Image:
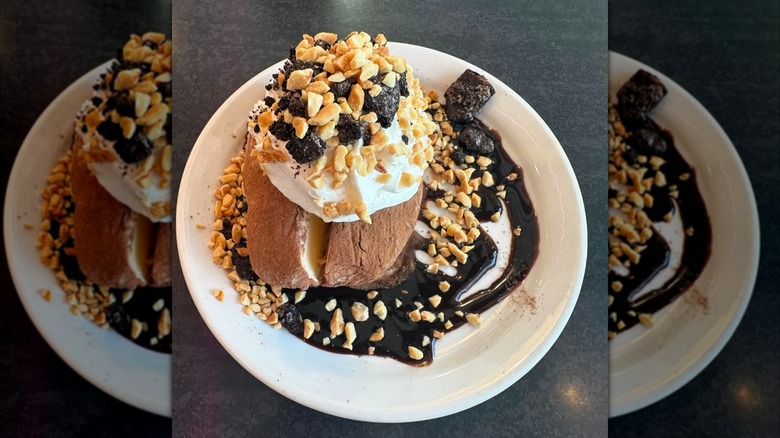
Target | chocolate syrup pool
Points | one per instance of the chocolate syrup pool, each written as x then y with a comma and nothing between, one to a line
400,332
655,258
120,315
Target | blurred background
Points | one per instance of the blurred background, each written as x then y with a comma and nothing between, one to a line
44,47
727,55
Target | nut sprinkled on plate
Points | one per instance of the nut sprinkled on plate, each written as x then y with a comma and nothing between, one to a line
136,328
380,310
336,324
308,328
474,319
349,329
359,311
415,353
646,319
377,335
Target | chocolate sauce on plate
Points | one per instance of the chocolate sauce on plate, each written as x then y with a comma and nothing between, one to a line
399,331
655,258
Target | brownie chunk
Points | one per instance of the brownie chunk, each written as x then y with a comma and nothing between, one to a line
648,138
366,137
466,96
341,89
109,130
297,107
638,96
384,104
306,149
281,130
284,102
350,130
135,149
123,105
473,138
402,85
290,318
118,318
244,267
458,155
296,64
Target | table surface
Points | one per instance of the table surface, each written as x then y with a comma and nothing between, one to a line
43,49
552,53
726,55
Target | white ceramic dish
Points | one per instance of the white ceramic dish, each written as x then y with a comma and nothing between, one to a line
131,373
647,365
470,366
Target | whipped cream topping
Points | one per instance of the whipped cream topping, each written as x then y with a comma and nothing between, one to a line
125,127
343,177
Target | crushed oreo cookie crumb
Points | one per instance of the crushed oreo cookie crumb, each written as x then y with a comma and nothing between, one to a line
306,149
297,107
281,130
135,149
384,104
350,130
341,89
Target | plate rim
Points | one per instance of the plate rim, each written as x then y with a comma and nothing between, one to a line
478,395
149,404
693,369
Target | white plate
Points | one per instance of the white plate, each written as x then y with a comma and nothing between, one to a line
133,374
470,366
647,365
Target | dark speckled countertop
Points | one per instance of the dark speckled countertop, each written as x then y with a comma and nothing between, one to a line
44,47
552,53
726,55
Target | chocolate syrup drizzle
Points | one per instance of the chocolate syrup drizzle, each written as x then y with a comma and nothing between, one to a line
655,258
399,331
119,315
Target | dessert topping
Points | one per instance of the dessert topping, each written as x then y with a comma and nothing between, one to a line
354,113
126,126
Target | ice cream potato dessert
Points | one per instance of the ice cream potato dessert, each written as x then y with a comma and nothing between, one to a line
106,228
353,214
336,153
